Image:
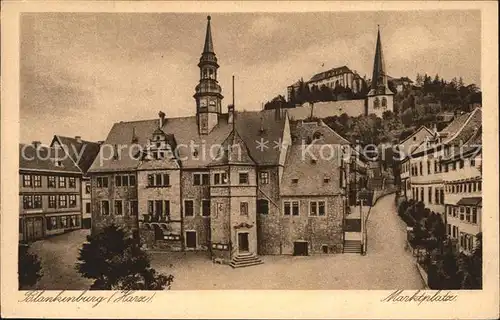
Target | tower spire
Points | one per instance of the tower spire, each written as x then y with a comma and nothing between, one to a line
379,77
209,46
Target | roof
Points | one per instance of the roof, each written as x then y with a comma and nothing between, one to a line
470,201
234,151
458,132
330,73
82,152
310,175
44,158
408,145
321,110
194,149
307,131
379,77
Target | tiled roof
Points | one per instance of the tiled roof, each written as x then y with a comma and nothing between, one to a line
234,151
185,132
84,151
44,159
309,174
304,131
330,73
470,201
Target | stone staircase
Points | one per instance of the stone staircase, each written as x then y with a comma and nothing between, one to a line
245,260
352,246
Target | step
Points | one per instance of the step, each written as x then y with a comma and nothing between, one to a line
245,264
245,258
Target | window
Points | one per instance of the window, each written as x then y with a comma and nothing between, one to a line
220,178
26,180
102,182
52,201
474,215
376,103
461,164
118,207
421,168
87,207
63,201
264,177
72,201
467,214
37,181
317,208
72,182
479,186
205,208
262,206
462,211
243,177
158,180
73,222
158,207
441,196
62,182
188,208
469,187
295,181
150,207
134,207
384,102
166,207
454,166
428,167
151,180
37,202
118,181
52,223
105,207
472,162
244,208
429,193
131,179
422,194
87,187
200,179
474,186
27,202
64,222
52,181
166,179
125,181
291,208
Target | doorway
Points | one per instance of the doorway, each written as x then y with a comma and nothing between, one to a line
191,239
243,242
300,248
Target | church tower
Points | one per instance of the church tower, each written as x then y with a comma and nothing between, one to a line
380,97
208,91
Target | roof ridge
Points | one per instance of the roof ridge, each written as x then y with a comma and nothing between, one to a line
469,117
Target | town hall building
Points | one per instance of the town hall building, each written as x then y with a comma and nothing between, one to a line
237,184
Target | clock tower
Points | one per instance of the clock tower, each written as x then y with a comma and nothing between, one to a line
208,91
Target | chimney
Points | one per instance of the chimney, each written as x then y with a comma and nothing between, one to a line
100,142
78,139
230,114
36,144
161,114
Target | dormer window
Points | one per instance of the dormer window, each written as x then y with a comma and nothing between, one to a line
313,161
326,180
295,181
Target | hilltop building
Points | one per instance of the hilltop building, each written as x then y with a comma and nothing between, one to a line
378,99
236,184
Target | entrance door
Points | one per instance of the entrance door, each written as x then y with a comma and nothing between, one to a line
191,239
38,228
30,232
243,242
300,248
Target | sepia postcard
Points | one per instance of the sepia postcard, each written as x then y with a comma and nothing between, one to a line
249,160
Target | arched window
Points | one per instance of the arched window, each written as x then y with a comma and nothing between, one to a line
384,102
317,135
376,103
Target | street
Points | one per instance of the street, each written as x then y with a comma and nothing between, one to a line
386,266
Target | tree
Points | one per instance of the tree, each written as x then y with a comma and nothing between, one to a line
419,80
473,265
387,115
116,262
29,267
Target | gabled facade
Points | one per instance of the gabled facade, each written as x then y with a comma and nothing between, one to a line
49,192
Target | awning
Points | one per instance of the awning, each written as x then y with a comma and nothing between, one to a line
470,201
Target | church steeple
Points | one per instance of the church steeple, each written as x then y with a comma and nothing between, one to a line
380,97
208,91
379,77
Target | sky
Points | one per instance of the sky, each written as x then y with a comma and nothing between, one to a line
82,72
